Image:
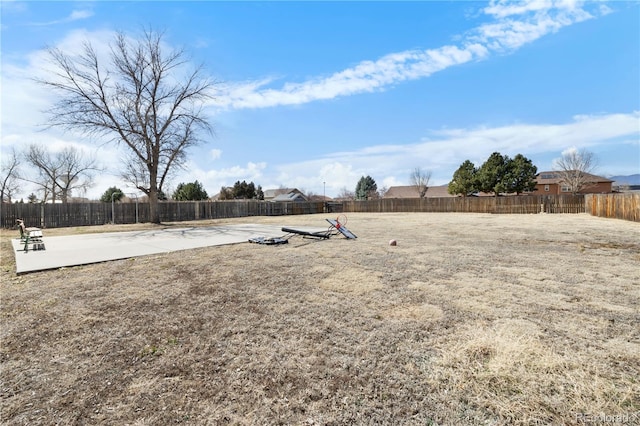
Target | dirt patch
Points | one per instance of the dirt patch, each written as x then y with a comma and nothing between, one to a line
470,319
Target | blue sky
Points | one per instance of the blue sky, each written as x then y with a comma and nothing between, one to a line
315,95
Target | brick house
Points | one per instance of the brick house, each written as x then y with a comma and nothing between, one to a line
550,183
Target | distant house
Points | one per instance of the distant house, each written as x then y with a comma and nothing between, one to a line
284,194
320,198
411,191
550,183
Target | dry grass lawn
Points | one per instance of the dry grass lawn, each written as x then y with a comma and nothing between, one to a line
471,319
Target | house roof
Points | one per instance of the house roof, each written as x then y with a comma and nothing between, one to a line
317,197
410,191
272,193
401,192
291,196
551,177
438,191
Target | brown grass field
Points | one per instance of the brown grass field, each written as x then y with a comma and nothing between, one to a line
470,319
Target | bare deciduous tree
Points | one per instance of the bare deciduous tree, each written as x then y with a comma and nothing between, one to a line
574,168
61,173
141,99
309,195
420,180
345,194
10,175
47,171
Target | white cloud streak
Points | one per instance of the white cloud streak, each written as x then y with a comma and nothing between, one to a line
75,15
515,24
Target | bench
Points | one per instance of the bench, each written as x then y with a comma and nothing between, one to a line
30,236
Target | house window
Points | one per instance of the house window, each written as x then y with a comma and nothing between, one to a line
548,176
546,188
565,188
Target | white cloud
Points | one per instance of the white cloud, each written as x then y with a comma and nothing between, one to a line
213,179
80,14
251,171
502,9
441,152
13,6
367,76
515,24
445,150
215,154
570,150
75,15
390,181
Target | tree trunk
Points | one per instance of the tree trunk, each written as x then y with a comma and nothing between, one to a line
154,213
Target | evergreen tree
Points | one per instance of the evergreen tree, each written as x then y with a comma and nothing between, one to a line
192,191
366,188
493,174
464,180
522,174
117,195
242,191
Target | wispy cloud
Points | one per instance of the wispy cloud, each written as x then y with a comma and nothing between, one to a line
514,24
76,15
13,6
215,153
250,171
368,76
441,151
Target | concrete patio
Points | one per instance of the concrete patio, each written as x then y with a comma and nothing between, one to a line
84,249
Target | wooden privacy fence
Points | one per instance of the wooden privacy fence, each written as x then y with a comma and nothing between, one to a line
85,214
527,204
619,206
